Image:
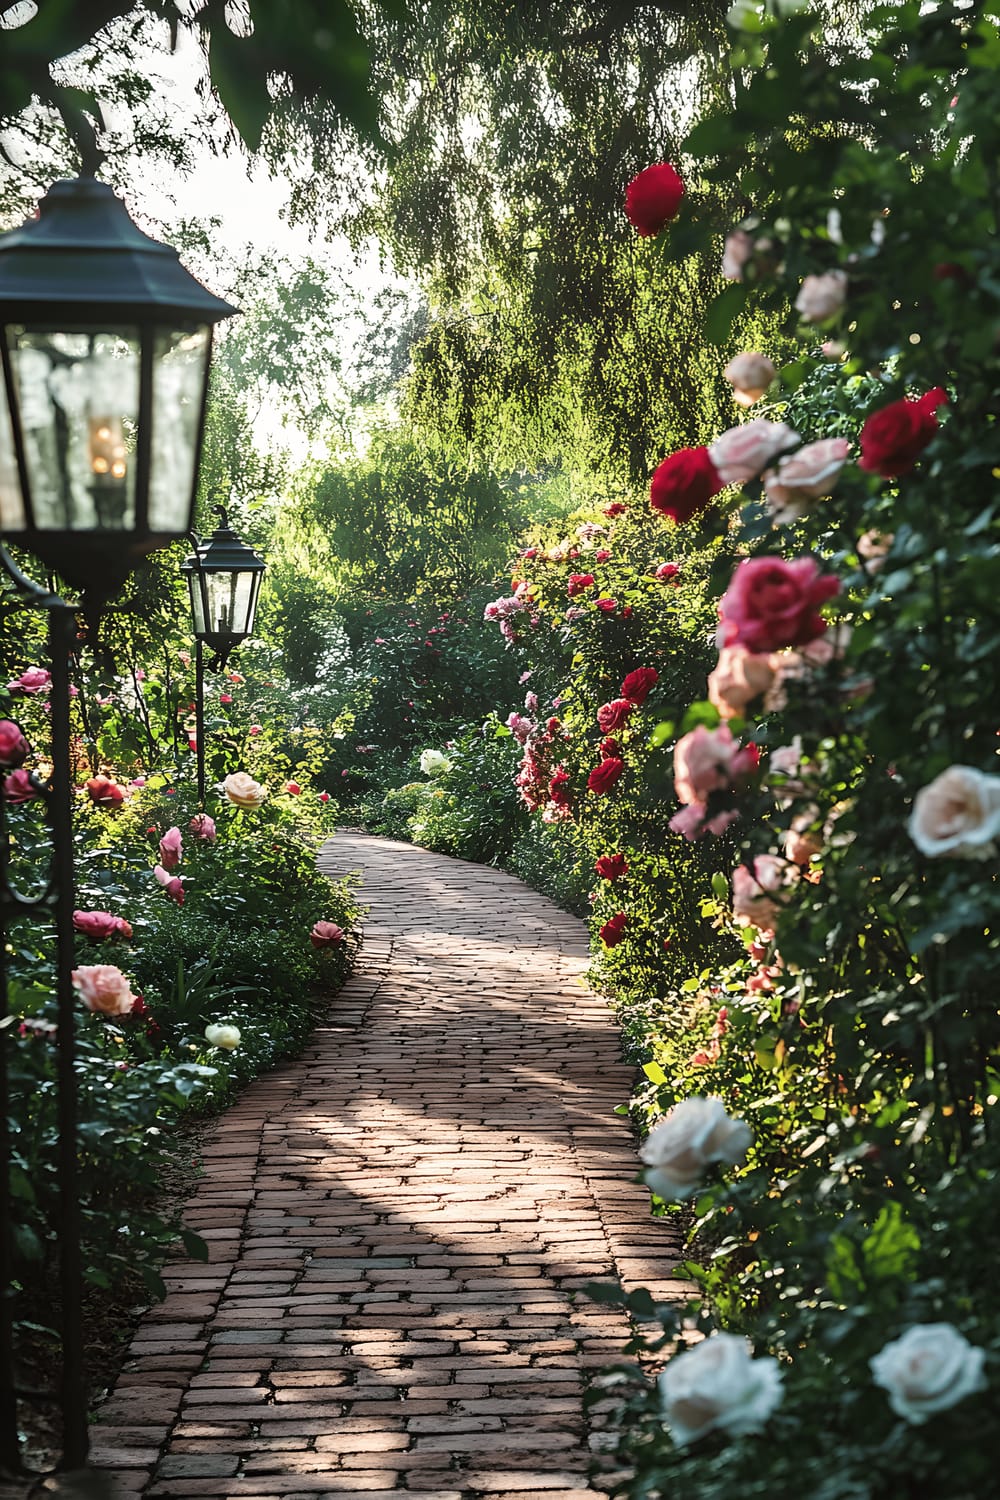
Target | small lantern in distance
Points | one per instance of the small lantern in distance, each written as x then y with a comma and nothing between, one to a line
224,577
105,342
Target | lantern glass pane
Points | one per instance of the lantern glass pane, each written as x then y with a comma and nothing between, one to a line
231,596
11,500
78,401
180,368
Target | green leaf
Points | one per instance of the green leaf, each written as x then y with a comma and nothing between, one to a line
661,733
194,1245
654,1072
720,886
723,311
240,85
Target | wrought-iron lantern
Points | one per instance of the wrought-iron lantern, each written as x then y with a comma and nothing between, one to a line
105,342
223,577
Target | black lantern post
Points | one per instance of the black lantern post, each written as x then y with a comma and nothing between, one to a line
104,350
224,577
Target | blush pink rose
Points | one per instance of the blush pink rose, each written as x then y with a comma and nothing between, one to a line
710,760
203,827
736,252
873,549
32,680
104,989
739,677
821,297
804,477
173,885
771,602
750,375
743,452
757,891
171,849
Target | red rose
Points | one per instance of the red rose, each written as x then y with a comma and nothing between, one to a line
293,788
13,746
611,716
684,484
106,793
893,438
607,606
653,198
610,749
616,508
614,930
666,571
579,583
772,603
603,777
639,684
559,792
611,866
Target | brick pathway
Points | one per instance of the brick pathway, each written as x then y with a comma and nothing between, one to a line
400,1222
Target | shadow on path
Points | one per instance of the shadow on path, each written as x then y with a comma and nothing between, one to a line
400,1222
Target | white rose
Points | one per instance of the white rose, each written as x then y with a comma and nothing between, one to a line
434,763
718,1385
242,790
227,1037
681,1145
737,251
957,813
928,1369
821,297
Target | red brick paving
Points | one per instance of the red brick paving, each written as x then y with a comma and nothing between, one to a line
400,1222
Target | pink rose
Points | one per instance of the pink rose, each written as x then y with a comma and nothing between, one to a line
821,297
104,989
326,935
13,745
173,886
293,789
203,827
740,454
601,555
710,760
19,787
737,251
750,375
32,680
804,477
739,678
579,583
171,849
666,572
225,698
771,603
255,730
101,925
104,792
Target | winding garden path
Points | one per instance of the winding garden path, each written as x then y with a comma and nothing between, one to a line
400,1222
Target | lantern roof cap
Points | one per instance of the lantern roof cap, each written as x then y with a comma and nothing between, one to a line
83,256
223,552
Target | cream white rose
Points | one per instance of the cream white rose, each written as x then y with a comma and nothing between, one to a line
804,477
434,763
873,548
821,297
958,813
681,1145
736,252
928,1369
243,791
749,375
104,989
718,1386
220,1035
743,452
